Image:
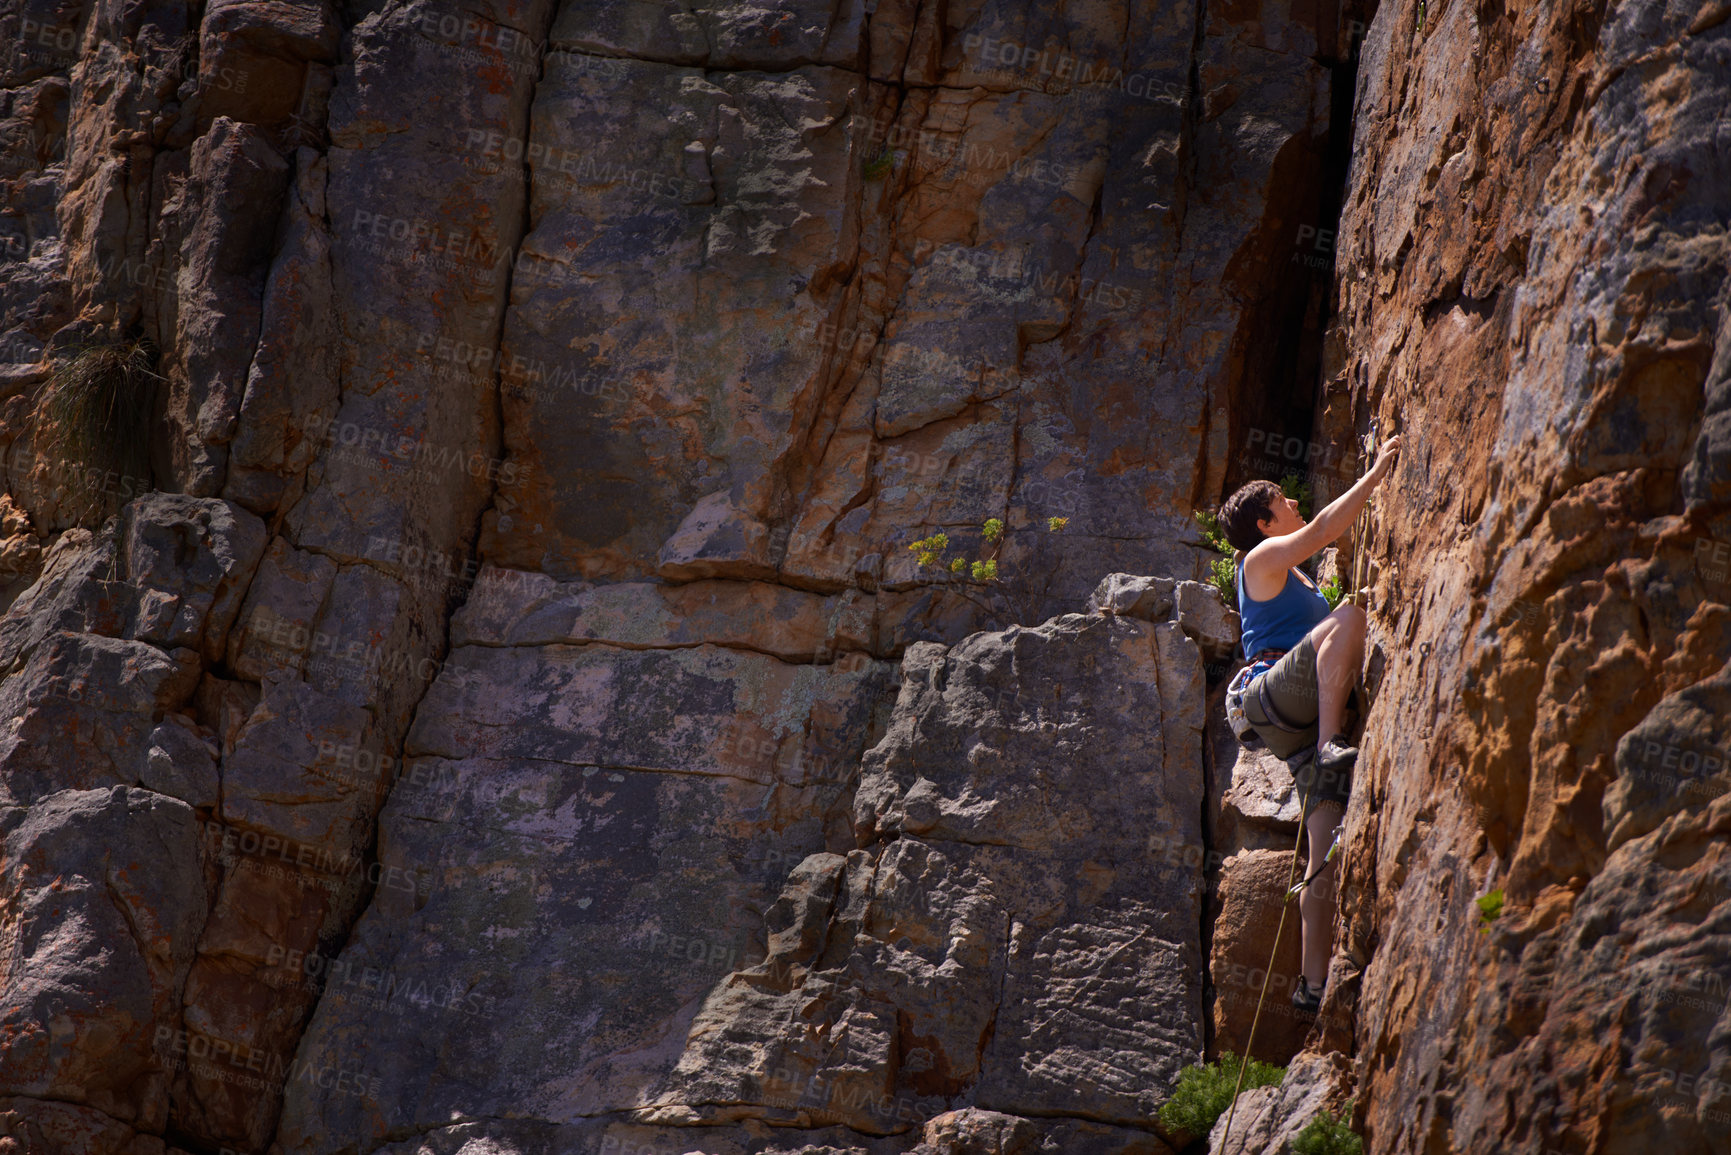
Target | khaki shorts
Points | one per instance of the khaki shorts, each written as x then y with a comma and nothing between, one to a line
1291,683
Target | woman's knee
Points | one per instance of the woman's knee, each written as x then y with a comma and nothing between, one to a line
1350,620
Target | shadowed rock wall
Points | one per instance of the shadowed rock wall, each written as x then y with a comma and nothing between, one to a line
464,714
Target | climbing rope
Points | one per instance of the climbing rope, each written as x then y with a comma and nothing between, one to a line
1268,971
1333,849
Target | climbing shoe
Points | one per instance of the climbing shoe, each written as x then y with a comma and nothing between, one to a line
1338,753
1307,998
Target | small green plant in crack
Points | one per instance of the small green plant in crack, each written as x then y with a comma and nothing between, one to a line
92,428
1204,1092
1223,576
1330,590
1211,535
1490,906
1222,572
879,165
981,575
1328,1134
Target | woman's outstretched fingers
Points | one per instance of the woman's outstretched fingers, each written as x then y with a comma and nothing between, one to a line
1385,457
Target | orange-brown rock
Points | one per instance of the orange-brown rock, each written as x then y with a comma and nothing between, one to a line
1247,912
1532,292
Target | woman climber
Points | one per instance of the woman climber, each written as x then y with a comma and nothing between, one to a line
1304,661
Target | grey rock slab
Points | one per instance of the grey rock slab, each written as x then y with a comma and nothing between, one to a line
1133,596
81,711
716,539
972,1131
291,388
1013,940
873,1004
705,710
1269,1118
421,250
55,1128
541,937
171,572
190,560
1085,728
78,591
515,608
1206,619
284,776
620,1137
376,644
209,320
281,608
1261,793
181,763
681,231
772,35
104,897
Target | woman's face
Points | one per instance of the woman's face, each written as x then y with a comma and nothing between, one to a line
1283,518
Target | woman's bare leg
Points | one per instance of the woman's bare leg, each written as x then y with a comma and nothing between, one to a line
1339,654
1316,901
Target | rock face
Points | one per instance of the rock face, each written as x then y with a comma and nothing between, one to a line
718,945
1533,293
502,711
541,401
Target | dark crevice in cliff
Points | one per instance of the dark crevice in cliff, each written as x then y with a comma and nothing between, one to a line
1274,398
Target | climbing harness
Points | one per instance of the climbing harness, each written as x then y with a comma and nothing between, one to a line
1242,727
1246,689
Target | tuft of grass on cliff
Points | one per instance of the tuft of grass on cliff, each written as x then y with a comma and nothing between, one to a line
1204,1092
92,422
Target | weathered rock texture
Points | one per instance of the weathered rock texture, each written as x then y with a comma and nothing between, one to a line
1533,292
505,714
647,341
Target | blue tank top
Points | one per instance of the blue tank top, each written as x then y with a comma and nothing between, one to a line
1282,621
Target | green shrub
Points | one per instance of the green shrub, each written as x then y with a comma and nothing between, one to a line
92,427
929,551
1295,487
1490,906
879,165
1331,591
1204,1092
1328,1135
1211,535
1223,576
1222,573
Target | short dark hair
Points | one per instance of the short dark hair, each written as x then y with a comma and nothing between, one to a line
1240,513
